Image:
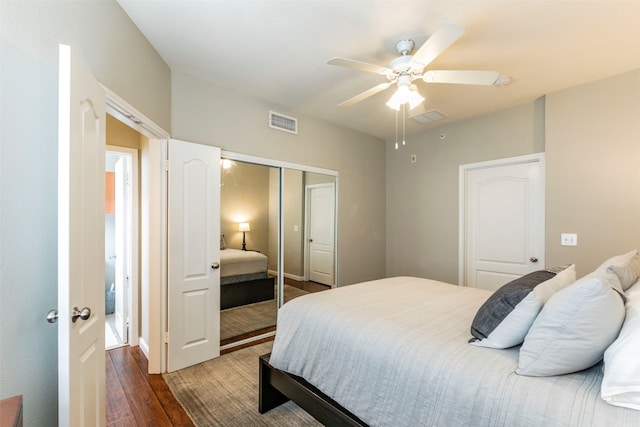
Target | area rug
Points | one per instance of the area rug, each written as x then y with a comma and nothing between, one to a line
252,317
224,392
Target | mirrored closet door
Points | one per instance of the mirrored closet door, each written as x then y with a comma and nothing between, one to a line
248,255
308,232
278,225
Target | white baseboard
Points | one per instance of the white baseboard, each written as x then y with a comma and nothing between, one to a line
289,275
144,347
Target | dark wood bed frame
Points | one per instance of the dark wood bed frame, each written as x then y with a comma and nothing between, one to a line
277,387
248,292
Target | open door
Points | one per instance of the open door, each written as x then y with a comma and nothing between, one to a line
123,263
81,307
193,254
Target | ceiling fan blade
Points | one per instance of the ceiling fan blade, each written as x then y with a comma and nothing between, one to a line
464,77
364,95
358,65
439,41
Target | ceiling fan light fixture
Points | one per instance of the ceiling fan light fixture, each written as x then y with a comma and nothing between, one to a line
415,98
399,97
406,94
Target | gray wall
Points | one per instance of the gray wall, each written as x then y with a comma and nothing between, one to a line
122,60
293,216
591,137
244,196
205,113
422,197
593,170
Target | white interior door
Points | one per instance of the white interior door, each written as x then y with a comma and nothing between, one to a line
122,246
81,146
321,224
194,254
504,221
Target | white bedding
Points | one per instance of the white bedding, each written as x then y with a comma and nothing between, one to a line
395,353
236,262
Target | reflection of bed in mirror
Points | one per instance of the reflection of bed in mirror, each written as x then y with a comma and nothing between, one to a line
244,278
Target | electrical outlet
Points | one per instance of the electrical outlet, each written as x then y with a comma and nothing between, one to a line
569,239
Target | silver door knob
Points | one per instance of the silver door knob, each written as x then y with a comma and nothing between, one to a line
52,316
83,314
215,265
533,259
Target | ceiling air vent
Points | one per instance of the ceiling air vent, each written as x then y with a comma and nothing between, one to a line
429,116
282,122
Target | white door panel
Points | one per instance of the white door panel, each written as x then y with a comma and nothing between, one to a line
122,248
81,146
321,202
504,222
194,230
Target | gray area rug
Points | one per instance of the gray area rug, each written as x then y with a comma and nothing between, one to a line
224,392
252,317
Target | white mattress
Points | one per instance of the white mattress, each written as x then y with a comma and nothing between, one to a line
235,262
395,353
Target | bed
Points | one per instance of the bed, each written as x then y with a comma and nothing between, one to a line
244,278
396,352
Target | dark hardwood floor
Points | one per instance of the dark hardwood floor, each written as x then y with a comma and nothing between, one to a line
307,286
135,398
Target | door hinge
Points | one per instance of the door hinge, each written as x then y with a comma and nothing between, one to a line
165,337
165,166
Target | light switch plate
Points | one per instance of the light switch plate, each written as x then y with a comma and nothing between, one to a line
569,239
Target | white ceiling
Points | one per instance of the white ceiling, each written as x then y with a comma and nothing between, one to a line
277,50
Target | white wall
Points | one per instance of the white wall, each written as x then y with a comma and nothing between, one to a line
205,113
122,59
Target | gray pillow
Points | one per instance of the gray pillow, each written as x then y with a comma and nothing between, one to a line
223,243
628,273
574,328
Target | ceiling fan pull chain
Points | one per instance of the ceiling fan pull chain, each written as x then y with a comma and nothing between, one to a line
396,129
404,108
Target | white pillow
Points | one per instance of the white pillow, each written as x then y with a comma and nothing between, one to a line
512,329
574,328
621,381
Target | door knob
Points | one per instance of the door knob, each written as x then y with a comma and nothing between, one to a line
215,265
52,316
84,314
533,259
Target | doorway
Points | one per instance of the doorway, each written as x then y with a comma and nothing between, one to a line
320,238
501,220
121,250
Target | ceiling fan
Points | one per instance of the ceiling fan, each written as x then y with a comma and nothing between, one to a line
406,68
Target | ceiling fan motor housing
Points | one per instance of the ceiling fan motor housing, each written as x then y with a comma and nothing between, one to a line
404,47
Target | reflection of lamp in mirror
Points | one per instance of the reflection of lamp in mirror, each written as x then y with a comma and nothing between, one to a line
244,227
